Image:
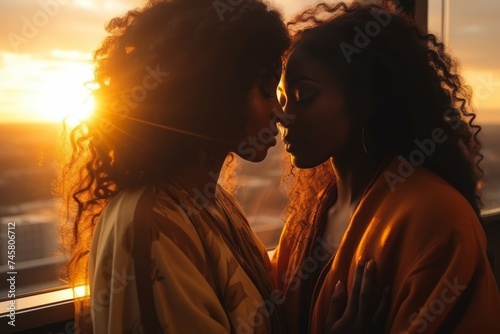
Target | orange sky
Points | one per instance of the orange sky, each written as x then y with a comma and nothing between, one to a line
46,48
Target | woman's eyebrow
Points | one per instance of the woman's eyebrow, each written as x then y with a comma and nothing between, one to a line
294,80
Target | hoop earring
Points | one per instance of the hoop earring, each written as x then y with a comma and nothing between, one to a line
363,140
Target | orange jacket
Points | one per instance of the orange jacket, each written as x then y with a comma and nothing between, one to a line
427,243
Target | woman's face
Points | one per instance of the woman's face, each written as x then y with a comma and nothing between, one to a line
316,120
260,122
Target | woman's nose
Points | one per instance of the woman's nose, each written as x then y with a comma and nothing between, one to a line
284,118
277,105
284,121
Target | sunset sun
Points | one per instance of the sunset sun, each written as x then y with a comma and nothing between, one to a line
63,95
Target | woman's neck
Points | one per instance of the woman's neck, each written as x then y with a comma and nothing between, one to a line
353,174
200,178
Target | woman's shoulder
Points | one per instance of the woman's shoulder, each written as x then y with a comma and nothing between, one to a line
426,212
421,189
421,200
117,216
125,199
158,204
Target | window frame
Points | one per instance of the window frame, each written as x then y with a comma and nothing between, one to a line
53,310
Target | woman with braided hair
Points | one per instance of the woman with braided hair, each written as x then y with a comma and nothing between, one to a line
381,129
181,84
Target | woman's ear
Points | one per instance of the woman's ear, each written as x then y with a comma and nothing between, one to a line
364,105
368,103
365,78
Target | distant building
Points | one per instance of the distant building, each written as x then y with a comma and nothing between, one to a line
36,237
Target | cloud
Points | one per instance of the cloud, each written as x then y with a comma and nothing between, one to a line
39,26
474,33
70,30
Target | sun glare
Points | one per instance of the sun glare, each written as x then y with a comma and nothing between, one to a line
81,291
61,94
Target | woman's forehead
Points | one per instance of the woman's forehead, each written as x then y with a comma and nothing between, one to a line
302,65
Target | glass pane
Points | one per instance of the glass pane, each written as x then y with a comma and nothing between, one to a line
474,31
45,59
435,17
28,211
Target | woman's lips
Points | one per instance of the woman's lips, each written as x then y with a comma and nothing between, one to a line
291,144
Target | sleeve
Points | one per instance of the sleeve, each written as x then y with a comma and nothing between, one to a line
436,276
184,299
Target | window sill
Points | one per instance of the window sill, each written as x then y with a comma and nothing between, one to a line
38,310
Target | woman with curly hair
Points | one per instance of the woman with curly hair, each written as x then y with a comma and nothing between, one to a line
388,157
180,85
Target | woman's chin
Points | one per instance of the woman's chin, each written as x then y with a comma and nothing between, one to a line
253,155
302,162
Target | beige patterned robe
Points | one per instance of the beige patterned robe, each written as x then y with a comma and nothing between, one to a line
202,283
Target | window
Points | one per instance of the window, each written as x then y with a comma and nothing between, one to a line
471,31
472,34
473,38
44,59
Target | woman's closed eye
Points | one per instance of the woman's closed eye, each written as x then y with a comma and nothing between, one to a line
267,92
305,92
281,98
268,87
